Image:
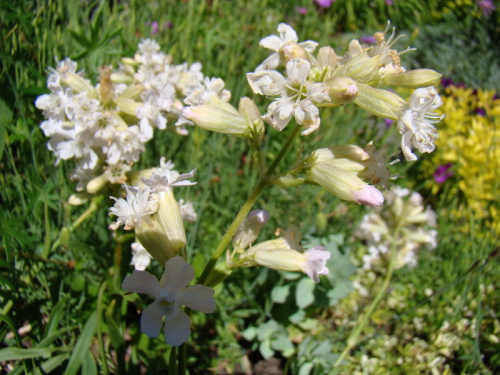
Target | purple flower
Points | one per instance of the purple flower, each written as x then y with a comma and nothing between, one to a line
154,28
324,3
389,2
481,112
487,6
367,39
301,10
442,173
388,122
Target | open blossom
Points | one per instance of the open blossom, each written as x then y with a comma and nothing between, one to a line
416,123
296,96
170,293
140,257
135,210
165,178
288,36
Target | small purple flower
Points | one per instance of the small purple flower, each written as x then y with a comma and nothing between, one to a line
481,112
367,39
388,122
442,173
447,82
168,25
301,10
154,28
389,2
487,6
324,3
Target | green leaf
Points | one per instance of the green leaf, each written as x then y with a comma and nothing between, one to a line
15,354
249,333
82,345
280,293
265,349
304,294
283,344
306,368
5,118
88,366
54,362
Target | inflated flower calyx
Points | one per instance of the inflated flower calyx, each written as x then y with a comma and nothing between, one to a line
413,79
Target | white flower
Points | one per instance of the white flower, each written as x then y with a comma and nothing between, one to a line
297,95
135,210
170,293
140,257
416,123
275,43
165,178
187,211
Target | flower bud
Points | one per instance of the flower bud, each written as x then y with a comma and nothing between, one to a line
154,239
326,172
79,84
248,109
218,116
361,68
96,184
292,50
274,254
327,58
341,90
248,232
379,102
170,218
413,78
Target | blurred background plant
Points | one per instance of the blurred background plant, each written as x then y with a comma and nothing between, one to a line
58,311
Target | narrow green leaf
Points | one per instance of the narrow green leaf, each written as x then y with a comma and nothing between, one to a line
15,354
82,345
54,362
5,118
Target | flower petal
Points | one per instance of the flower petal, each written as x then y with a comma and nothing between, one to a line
273,42
151,319
177,274
177,329
197,297
142,282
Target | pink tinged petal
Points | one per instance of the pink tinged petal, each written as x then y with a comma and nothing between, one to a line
142,282
197,297
177,328
315,264
287,33
368,195
271,42
177,274
152,319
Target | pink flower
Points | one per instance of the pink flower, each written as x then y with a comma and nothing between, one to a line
324,3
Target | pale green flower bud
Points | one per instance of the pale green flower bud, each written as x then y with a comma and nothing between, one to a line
327,172
379,102
327,58
413,79
154,239
78,199
132,92
248,109
218,116
122,78
277,255
128,106
79,84
170,217
292,50
361,68
341,90
96,184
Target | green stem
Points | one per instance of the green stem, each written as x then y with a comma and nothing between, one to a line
182,359
353,339
94,206
245,209
172,362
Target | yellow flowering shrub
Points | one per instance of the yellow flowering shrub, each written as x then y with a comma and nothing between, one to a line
469,148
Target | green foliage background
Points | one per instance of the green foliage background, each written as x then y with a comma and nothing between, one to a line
67,294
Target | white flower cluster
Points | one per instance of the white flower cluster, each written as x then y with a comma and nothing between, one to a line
151,210
362,76
104,127
403,209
